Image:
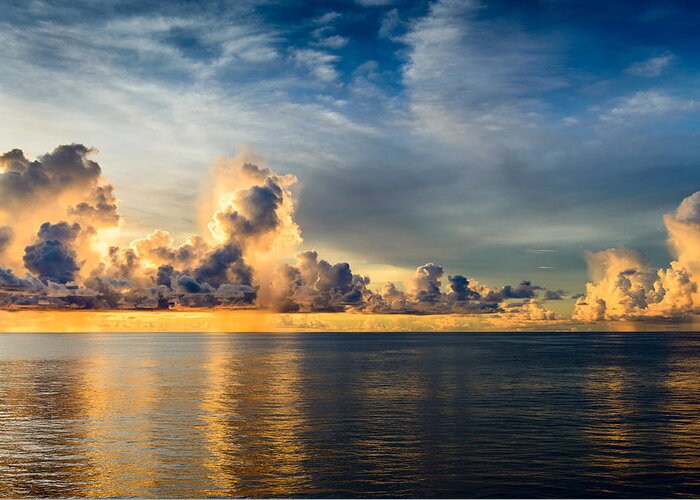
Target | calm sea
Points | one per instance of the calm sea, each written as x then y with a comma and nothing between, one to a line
342,414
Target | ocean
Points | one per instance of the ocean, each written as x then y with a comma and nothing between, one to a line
350,414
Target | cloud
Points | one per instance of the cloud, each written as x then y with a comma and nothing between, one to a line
424,286
525,290
648,104
328,17
651,67
10,282
100,209
51,260
62,231
529,310
66,168
320,64
224,265
332,42
554,295
64,185
391,22
464,296
313,284
158,249
625,286
469,81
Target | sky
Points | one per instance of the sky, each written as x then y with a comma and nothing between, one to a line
500,140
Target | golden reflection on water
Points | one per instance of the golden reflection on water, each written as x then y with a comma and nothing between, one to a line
683,430
612,432
106,390
266,449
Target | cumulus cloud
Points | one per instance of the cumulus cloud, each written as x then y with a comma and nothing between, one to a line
424,286
51,260
424,295
158,249
241,259
313,284
66,168
624,285
224,265
63,185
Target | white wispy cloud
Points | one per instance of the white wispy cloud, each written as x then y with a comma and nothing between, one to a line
648,103
332,42
467,79
651,67
320,64
328,17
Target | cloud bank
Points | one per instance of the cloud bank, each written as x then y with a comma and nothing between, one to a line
59,211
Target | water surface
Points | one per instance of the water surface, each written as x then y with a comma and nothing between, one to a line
342,414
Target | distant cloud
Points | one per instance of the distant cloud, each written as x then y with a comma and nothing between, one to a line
332,42
328,17
651,67
625,286
648,103
554,295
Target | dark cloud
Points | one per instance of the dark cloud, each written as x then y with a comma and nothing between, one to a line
51,260
100,208
164,275
255,172
554,295
525,290
61,231
317,285
188,284
258,212
224,265
459,286
8,281
66,167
